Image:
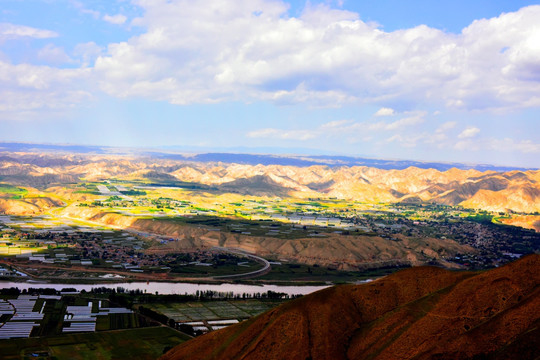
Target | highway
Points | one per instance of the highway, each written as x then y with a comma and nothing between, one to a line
250,274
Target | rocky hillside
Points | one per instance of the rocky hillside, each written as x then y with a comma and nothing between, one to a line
343,252
419,313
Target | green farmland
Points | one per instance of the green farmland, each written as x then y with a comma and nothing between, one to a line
142,343
13,191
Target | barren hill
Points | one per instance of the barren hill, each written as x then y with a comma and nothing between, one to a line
489,190
419,313
344,252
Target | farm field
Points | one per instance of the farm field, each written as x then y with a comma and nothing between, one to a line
141,343
214,310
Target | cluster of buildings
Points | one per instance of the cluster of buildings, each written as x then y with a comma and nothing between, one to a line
23,316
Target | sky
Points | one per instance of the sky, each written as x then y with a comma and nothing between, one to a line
451,81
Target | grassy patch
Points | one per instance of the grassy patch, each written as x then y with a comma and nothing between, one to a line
13,191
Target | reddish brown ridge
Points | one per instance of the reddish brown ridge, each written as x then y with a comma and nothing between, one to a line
419,313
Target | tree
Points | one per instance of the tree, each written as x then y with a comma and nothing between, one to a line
188,329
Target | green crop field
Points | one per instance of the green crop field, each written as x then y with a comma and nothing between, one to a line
142,343
14,191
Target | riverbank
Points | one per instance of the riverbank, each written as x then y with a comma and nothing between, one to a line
170,287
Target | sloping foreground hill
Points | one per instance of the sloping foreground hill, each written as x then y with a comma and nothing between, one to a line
419,313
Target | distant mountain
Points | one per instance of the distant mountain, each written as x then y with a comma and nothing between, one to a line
418,313
74,149
333,161
249,159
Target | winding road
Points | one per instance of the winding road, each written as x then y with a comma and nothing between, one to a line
250,274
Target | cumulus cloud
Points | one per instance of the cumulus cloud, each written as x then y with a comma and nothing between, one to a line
469,132
13,31
190,52
118,19
385,112
198,52
32,89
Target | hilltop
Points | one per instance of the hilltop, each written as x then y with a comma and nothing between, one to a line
418,313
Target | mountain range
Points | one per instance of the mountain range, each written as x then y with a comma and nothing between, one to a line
500,191
264,156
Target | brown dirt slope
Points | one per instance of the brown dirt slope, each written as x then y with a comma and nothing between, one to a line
419,313
346,252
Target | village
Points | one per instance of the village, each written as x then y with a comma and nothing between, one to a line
59,244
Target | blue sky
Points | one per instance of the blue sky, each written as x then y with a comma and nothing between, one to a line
423,80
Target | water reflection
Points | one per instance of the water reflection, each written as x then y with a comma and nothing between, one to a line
171,288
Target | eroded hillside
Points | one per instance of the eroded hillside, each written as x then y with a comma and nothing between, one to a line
517,191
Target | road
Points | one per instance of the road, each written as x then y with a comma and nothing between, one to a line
250,274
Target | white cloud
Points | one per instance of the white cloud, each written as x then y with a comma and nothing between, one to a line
87,52
12,31
336,124
385,112
84,10
440,136
29,89
406,122
446,126
341,128
243,50
251,50
469,132
511,145
117,19
282,134
53,54
404,141
506,145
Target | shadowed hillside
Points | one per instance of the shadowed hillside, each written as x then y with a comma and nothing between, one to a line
419,313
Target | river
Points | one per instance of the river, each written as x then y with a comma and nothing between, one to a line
172,288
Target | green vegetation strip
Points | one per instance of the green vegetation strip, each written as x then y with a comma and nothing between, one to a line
16,192
142,343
